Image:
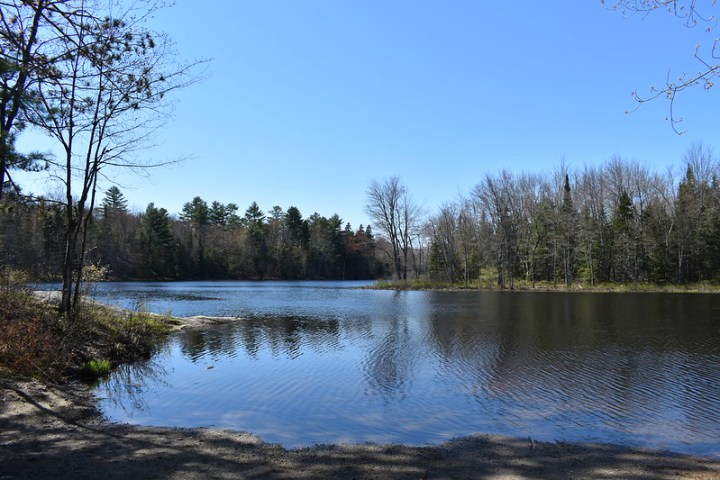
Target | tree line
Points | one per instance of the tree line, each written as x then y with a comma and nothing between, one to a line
206,241
615,223
619,222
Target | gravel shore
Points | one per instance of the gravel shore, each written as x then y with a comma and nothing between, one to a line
50,431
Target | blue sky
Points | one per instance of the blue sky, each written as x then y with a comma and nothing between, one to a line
308,101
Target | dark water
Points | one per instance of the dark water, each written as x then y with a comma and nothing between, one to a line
314,362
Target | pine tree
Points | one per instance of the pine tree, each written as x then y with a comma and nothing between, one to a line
114,201
157,244
568,228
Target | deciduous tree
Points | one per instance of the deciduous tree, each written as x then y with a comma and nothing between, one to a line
394,212
107,93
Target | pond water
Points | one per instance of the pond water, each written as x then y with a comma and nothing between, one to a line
324,362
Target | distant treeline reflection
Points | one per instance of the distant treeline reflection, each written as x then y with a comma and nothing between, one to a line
638,368
506,343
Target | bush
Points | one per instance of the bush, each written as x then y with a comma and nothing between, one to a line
36,341
31,344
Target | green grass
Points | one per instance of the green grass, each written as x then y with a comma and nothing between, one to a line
98,368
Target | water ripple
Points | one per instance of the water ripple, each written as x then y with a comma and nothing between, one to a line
316,364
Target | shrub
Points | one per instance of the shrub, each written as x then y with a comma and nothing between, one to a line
36,341
31,344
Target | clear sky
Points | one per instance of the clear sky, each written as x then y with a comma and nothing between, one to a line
308,101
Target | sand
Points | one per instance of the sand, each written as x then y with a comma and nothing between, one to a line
52,431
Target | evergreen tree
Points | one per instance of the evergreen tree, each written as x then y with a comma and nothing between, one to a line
624,244
196,212
218,214
688,219
256,244
157,244
296,226
568,231
114,201
115,234
254,216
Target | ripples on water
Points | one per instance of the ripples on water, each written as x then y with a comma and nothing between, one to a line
315,362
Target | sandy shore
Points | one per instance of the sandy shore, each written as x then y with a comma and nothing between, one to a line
56,432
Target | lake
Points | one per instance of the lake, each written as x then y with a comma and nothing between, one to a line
327,362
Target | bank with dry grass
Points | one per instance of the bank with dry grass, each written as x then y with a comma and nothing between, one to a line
523,286
37,341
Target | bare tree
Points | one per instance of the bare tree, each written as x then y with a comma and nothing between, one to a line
467,237
108,95
703,161
591,189
528,190
396,215
494,195
443,228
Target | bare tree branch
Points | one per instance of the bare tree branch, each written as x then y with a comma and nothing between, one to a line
694,14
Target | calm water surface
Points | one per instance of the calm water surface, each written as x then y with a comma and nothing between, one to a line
322,362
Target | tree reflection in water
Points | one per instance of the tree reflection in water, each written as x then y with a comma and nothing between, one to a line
419,367
127,387
283,336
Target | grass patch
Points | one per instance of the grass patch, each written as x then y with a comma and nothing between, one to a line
97,368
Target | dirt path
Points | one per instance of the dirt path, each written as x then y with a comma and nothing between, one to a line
56,432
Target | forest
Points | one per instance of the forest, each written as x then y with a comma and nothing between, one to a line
206,241
618,222
615,223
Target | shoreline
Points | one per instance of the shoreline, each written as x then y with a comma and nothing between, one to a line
542,288
51,431
175,323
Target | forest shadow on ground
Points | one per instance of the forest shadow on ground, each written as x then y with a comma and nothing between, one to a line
51,439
